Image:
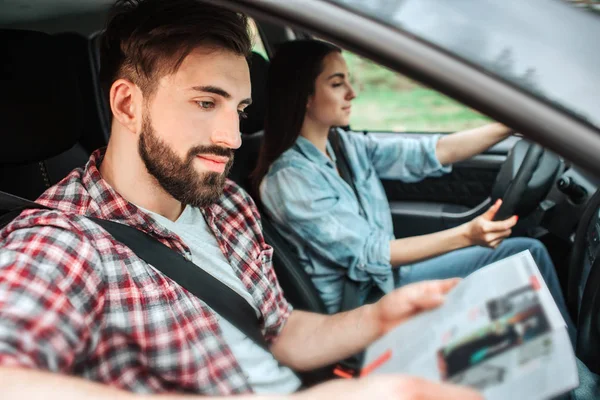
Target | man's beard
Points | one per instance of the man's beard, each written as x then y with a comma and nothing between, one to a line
178,177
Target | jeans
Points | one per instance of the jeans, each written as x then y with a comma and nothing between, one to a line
463,262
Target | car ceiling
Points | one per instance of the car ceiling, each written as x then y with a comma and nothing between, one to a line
28,11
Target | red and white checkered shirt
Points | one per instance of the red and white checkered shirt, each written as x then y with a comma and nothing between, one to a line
75,301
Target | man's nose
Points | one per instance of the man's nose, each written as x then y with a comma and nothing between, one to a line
227,131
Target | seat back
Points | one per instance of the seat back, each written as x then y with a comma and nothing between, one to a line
255,121
584,285
245,160
40,107
102,104
252,126
296,283
95,132
583,254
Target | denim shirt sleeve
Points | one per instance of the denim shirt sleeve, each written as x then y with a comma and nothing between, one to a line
304,202
403,158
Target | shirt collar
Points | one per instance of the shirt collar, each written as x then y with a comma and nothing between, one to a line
107,203
310,151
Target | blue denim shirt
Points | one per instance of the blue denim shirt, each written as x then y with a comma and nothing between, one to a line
319,214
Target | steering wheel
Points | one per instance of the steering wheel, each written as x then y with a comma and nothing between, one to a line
524,179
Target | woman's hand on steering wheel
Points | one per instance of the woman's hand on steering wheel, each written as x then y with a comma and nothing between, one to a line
484,231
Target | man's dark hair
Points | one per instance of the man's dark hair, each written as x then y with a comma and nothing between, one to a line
145,40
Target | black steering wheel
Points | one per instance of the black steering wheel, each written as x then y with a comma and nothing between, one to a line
524,179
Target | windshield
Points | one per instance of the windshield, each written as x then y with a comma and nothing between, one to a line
546,47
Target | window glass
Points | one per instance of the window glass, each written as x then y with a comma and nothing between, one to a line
388,101
257,43
546,48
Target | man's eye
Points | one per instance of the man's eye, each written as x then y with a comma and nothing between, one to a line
337,84
207,105
242,114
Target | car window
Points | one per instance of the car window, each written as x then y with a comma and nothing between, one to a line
257,43
545,47
390,102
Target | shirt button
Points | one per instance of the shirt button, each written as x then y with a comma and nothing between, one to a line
361,267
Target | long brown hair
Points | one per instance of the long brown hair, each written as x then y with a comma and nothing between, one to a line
290,83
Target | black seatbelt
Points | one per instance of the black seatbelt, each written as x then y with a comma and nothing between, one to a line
342,164
351,294
218,296
350,297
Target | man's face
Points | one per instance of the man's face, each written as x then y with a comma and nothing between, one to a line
191,125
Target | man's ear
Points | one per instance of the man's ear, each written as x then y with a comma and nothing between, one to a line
126,104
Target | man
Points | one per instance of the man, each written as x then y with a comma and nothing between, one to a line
81,316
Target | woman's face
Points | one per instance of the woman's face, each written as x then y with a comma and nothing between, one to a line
330,105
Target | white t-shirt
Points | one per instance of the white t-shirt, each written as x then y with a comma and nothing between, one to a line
264,373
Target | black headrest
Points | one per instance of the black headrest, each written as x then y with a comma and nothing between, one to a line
95,132
40,104
259,68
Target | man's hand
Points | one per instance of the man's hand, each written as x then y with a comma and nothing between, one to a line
484,231
396,307
386,387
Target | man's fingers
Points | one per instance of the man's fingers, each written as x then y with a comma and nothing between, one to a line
445,285
432,287
430,294
418,388
395,307
446,391
415,297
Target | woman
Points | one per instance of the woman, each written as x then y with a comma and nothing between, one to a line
340,232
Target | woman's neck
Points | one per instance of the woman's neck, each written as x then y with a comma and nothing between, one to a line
316,133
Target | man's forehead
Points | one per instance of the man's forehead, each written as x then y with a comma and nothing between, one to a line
207,66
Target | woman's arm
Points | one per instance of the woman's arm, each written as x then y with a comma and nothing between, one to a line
482,231
463,145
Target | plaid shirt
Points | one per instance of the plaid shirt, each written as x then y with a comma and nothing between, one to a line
75,301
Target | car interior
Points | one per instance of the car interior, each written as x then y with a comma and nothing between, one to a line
55,116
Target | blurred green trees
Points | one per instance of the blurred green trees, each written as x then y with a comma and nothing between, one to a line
387,101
